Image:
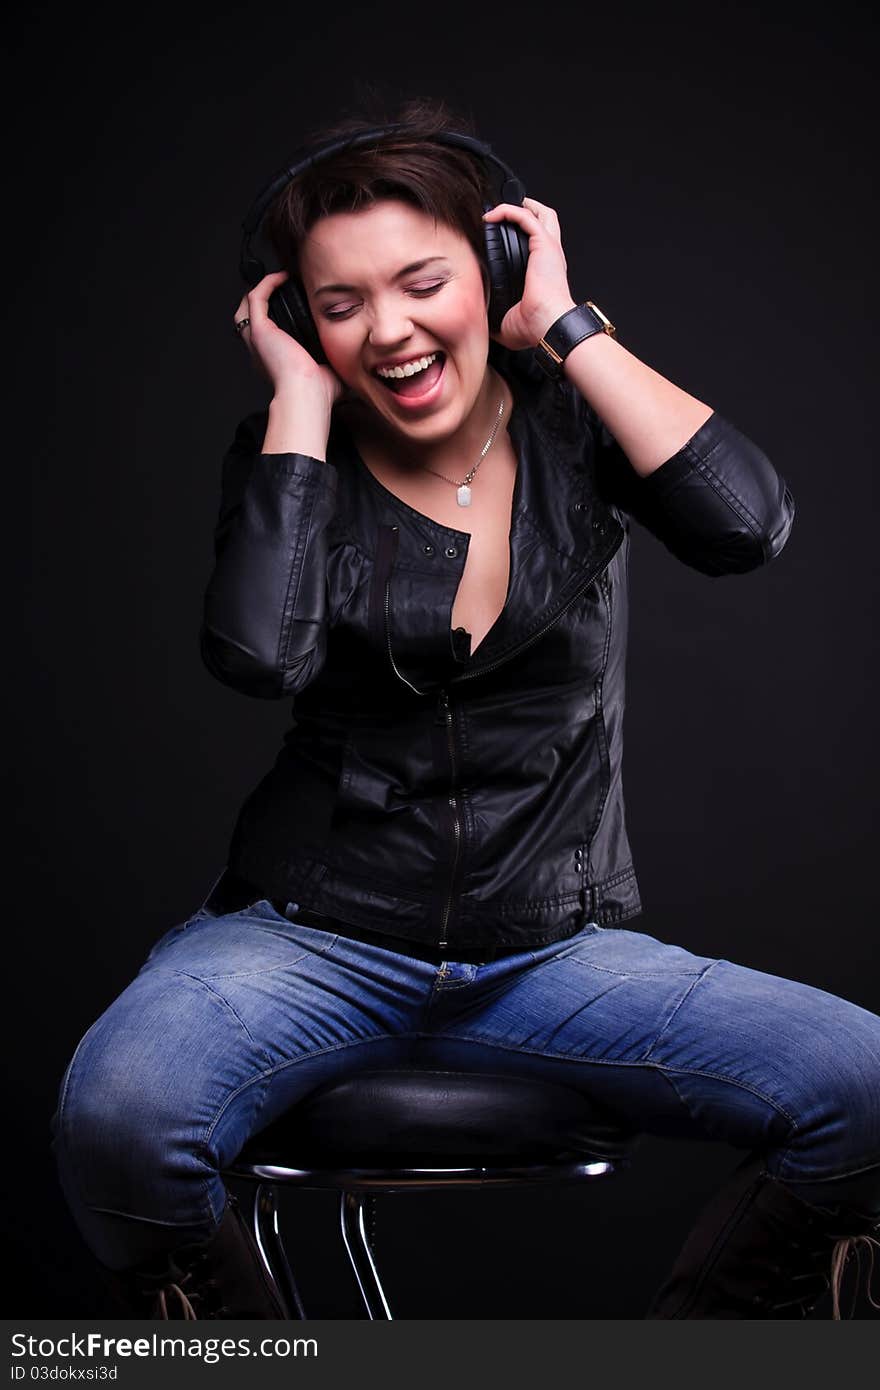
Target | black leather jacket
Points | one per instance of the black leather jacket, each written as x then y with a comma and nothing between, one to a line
421,792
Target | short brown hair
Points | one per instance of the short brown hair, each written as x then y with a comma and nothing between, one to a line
448,183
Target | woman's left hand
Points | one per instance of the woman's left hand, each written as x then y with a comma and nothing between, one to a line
546,294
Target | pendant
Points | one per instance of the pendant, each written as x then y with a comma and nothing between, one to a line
464,495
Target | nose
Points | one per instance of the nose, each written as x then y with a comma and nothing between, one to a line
390,325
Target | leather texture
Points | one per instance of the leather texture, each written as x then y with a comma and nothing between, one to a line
380,1118
759,1251
221,1277
564,335
421,790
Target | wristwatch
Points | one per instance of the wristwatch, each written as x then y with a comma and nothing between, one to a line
570,329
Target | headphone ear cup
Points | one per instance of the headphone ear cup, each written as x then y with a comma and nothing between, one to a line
289,309
507,254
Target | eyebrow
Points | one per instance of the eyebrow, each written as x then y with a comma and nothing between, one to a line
407,270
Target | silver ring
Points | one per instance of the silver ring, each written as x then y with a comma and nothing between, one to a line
241,325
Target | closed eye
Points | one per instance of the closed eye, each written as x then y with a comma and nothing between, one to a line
421,292
428,289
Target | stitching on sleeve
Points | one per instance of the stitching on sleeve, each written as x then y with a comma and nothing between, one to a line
293,587
735,503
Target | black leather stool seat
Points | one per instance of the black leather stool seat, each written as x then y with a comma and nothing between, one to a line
393,1129
391,1118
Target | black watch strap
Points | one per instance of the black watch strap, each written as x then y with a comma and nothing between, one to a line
570,329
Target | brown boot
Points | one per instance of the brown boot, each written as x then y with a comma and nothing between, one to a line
220,1277
759,1251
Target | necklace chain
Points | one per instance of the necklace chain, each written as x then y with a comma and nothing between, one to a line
468,477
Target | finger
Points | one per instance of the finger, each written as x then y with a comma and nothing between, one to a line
262,291
541,209
530,205
511,212
257,303
522,217
547,223
241,322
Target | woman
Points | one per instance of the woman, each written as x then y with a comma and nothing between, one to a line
424,540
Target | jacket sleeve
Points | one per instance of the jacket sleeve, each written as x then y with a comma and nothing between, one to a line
264,619
718,504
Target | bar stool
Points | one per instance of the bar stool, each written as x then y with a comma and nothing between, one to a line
410,1129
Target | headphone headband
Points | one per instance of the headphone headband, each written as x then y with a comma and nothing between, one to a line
506,244
512,188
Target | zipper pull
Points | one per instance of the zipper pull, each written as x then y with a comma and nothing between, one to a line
442,708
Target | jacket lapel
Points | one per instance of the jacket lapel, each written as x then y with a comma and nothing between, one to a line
562,534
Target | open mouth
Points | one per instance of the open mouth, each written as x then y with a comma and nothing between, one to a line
418,381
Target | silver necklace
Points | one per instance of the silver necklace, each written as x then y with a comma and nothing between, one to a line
464,492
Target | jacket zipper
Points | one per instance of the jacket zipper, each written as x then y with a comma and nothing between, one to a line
444,716
445,713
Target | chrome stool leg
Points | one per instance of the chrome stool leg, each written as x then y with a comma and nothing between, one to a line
354,1210
271,1247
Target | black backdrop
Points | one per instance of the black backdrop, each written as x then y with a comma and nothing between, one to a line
710,166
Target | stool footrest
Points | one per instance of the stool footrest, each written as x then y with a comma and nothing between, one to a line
402,1179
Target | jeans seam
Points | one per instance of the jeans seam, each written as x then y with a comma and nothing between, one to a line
662,1068
634,975
829,1177
669,1074
691,987
144,1220
292,1062
225,1002
266,1077
243,974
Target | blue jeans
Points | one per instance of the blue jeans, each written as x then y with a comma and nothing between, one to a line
233,1017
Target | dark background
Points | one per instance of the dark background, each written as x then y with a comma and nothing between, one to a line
710,166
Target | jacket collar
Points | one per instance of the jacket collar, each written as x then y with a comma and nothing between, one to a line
562,533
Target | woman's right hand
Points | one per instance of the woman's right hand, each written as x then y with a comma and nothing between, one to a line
282,360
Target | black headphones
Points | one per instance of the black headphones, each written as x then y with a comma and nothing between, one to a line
507,245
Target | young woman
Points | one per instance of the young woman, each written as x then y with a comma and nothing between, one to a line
423,539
